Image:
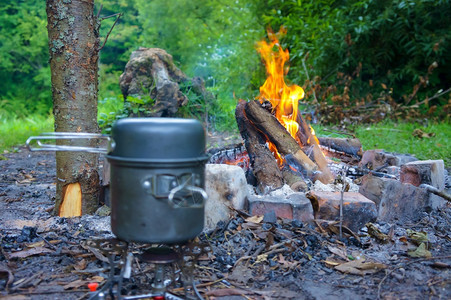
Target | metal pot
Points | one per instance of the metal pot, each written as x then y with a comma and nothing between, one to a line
157,177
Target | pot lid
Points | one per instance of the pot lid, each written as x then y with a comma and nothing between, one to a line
158,138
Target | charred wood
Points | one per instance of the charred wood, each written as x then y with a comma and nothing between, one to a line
286,144
338,147
294,179
312,149
264,166
277,134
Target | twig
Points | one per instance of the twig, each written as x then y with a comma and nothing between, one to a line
198,285
26,281
110,16
111,29
406,264
47,242
344,184
100,9
433,97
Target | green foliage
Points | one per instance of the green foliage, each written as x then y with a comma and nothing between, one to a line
24,70
15,131
115,108
391,42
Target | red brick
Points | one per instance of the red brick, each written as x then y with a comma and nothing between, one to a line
357,209
295,206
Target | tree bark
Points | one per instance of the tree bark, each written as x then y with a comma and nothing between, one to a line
74,52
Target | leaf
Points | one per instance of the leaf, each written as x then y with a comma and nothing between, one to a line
417,237
421,134
375,232
255,219
339,252
36,244
360,267
29,252
421,251
75,284
261,258
81,265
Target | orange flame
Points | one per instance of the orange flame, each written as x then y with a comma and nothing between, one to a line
284,98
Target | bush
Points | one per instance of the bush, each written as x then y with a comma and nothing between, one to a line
397,45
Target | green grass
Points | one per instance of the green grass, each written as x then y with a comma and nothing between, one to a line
399,138
15,131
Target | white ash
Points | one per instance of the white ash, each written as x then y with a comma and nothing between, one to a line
96,223
283,191
334,187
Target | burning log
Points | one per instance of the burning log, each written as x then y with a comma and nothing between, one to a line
263,164
312,149
286,144
278,135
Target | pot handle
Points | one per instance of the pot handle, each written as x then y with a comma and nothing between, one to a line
42,146
183,203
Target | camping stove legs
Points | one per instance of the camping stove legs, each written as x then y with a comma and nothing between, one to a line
120,262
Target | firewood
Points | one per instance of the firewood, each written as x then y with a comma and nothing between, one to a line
71,203
294,180
308,139
351,147
278,135
263,163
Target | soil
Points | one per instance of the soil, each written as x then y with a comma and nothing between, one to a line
46,257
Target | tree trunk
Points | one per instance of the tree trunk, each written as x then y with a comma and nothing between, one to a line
74,52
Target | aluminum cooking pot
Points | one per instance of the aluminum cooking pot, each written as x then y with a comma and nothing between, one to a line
157,176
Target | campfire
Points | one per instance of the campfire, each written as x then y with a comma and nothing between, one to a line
272,127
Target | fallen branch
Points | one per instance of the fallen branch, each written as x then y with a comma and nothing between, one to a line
435,191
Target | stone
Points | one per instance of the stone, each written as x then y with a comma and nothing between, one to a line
357,209
374,159
226,187
431,172
397,201
295,206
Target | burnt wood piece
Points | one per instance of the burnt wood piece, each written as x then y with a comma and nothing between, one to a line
350,147
278,135
312,149
264,165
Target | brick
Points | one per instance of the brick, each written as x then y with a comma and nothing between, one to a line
397,201
357,209
431,172
294,206
226,187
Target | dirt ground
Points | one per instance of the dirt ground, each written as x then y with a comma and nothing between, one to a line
45,257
